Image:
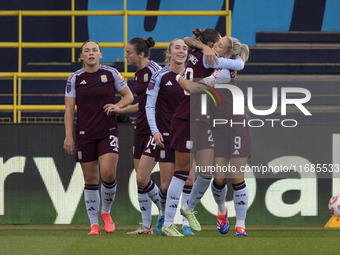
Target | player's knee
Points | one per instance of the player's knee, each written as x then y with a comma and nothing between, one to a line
108,177
142,181
220,181
91,180
237,180
182,167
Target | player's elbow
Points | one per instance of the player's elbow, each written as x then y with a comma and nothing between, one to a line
130,98
241,66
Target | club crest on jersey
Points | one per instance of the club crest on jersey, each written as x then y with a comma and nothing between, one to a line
189,145
80,155
162,154
146,77
215,73
103,78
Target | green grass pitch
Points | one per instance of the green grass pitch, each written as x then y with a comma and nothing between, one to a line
73,239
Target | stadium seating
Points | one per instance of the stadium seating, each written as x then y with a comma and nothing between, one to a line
274,61
295,53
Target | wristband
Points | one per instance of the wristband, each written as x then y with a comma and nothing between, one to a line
178,76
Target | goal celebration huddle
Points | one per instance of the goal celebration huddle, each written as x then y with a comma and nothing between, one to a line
170,129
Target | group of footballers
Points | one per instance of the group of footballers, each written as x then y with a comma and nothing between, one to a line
169,129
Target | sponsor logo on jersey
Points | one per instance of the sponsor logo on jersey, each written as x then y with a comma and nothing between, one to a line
80,155
120,77
83,82
168,83
236,152
189,145
193,59
103,78
146,77
68,87
151,85
162,154
215,73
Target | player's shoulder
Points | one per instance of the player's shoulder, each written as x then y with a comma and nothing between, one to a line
195,52
109,69
163,71
153,66
115,73
76,73
157,77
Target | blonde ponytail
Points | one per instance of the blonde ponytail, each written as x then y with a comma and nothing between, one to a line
244,54
237,49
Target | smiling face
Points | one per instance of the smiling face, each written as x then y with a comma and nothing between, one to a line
177,52
90,54
222,47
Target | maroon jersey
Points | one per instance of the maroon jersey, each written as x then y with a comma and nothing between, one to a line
195,65
142,79
224,111
194,69
165,94
92,91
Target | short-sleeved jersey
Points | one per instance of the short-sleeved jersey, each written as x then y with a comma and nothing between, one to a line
92,91
194,69
142,79
164,86
196,64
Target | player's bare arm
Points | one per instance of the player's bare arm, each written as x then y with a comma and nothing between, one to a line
129,109
127,97
69,117
115,109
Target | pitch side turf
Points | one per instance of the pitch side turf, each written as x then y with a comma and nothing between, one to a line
70,239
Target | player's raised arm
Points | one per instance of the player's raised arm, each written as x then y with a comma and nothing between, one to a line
209,53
